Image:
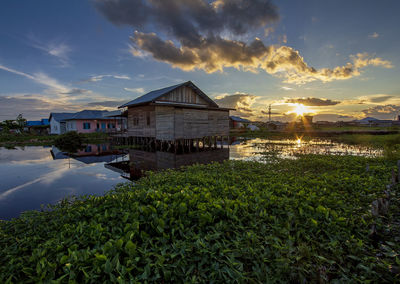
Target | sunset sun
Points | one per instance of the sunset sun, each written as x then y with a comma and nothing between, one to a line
300,109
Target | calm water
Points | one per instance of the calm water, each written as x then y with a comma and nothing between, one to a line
31,176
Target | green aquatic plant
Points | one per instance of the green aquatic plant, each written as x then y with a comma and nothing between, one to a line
298,221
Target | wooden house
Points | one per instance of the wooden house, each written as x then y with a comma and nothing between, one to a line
178,114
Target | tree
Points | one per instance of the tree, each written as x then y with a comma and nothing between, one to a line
21,121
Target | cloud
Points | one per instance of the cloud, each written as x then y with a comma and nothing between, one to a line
382,111
312,101
187,20
201,35
242,103
54,87
56,97
59,50
40,78
107,104
31,106
287,88
97,78
375,99
373,35
332,117
76,91
135,90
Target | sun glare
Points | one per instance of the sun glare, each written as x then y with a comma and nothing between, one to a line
300,109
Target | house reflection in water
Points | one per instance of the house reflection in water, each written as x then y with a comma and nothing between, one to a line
91,153
141,161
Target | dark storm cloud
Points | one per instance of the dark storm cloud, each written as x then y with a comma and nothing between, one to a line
188,20
312,101
203,33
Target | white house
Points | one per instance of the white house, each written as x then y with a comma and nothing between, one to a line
58,122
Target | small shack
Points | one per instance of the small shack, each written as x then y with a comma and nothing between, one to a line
181,116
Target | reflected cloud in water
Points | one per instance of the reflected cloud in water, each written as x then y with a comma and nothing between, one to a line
31,176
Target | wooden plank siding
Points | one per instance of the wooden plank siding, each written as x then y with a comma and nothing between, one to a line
183,95
141,114
165,123
169,123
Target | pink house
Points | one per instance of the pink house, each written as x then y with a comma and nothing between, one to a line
88,121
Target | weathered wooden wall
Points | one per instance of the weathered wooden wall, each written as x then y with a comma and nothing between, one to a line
183,95
142,129
165,123
184,123
170,123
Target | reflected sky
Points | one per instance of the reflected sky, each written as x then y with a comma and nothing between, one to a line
31,176
257,149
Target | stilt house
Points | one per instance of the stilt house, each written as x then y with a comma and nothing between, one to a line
177,113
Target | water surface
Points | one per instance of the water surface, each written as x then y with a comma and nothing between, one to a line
32,176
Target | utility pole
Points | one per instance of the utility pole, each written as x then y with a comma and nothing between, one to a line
270,112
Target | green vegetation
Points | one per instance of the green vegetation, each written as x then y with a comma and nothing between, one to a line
25,139
13,124
69,142
72,141
298,221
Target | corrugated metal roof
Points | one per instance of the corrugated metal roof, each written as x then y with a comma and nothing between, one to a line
153,95
33,123
239,119
89,114
45,121
61,116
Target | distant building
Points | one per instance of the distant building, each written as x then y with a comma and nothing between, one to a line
87,121
307,119
275,125
38,126
236,122
371,121
58,124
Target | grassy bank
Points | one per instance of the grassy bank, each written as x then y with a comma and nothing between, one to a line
25,139
306,220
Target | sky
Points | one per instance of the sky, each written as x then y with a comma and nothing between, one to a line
338,60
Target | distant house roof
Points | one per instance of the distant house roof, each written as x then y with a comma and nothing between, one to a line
367,120
239,119
154,95
60,116
45,121
33,123
42,122
89,114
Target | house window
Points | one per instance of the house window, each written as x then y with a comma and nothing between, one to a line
86,125
88,149
135,121
111,125
148,118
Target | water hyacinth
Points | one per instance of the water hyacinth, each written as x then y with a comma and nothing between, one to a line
296,220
